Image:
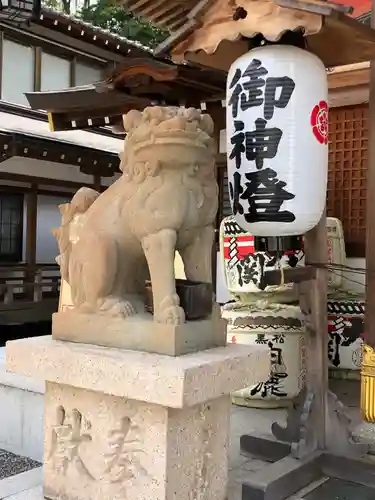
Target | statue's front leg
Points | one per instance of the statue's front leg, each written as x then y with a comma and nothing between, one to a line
159,249
197,257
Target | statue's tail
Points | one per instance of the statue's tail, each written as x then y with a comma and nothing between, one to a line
80,203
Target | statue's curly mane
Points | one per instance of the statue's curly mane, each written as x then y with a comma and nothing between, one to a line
144,129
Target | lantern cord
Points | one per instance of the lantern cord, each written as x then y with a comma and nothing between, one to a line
334,268
349,279
339,267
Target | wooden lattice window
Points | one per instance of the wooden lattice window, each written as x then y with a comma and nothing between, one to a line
347,174
11,227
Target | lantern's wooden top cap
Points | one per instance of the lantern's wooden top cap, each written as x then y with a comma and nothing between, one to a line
215,32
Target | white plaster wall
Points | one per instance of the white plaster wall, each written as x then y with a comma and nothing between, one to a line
21,415
21,422
48,217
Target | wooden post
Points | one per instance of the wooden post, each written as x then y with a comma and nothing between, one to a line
31,228
314,305
217,113
368,364
97,183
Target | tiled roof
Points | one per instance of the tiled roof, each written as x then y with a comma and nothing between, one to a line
38,128
48,13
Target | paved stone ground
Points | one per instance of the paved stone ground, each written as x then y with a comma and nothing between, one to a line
249,421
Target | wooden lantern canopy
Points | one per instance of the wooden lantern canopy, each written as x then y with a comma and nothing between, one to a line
216,32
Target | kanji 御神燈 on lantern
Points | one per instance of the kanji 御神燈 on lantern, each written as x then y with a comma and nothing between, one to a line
277,140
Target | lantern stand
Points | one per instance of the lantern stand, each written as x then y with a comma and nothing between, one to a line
316,441
317,419
317,434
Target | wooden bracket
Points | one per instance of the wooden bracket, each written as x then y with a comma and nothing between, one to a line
294,275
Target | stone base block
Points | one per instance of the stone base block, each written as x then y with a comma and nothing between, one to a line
175,382
137,426
139,333
101,447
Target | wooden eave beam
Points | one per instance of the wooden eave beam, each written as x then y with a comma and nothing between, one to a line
140,68
342,41
349,79
140,4
63,122
185,28
348,96
75,98
170,16
90,161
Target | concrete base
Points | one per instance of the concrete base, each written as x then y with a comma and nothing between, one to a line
20,484
284,479
139,333
31,494
264,448
21,414
125,424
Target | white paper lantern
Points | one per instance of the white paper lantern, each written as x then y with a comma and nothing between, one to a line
277,140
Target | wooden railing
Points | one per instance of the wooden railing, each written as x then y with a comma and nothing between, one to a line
20,283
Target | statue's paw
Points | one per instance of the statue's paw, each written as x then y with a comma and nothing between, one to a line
117,307
123,309
172,315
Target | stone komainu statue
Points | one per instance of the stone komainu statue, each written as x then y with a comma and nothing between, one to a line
165,200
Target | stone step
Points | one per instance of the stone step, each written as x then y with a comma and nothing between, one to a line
32,494
18,483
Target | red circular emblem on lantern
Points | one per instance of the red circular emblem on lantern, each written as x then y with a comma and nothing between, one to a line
319,122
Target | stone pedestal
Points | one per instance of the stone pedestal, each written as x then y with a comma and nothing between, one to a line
125,424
